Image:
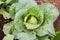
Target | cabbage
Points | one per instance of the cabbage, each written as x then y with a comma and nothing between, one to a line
31,21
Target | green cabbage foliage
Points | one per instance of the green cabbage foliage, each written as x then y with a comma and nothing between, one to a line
8,37
57,37
3,11
25,4
50,9
44,38
31,21
26,36
12,11
8,27
1,2
5,14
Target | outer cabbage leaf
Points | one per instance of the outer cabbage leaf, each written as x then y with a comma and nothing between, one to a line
8,1
51,11
12,11
57,37
4,13
7,28
26,36
44,38
18,21
50,15
14,31
1,2
46,29
8,37
11,1
25,4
